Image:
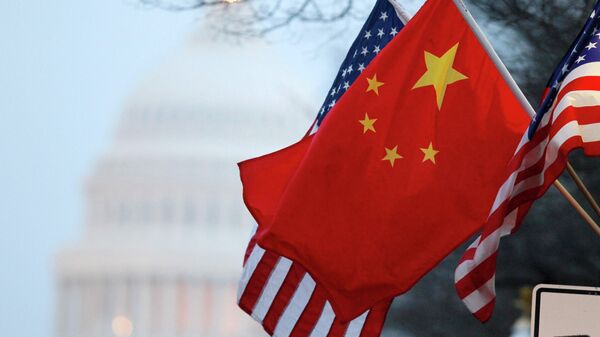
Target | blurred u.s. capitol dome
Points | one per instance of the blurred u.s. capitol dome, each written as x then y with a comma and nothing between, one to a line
165,226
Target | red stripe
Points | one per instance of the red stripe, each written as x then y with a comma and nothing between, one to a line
552,173
582,83
249,249
375,319
517,160
477,277
534,169
582,115
338,329
495,221
592,149
311,314
541,136
257,281
485,313
521,213
469,254
283,297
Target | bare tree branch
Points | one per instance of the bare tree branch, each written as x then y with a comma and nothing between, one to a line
260,17
545,29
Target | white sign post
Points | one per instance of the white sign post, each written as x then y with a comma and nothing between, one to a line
565,311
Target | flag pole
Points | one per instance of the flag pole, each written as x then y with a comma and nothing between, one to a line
583,188
494,56
577,207
527,106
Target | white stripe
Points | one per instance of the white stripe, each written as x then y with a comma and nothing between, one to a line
295,307
400,12
487,247
534,155
324,322
480,297
589,69
590,132
524,140
507,189
504,192
270,290
475,243
546,118
253,260
577,99
253,232
355,326
567,132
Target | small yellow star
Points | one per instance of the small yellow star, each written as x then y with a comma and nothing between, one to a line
429,153
374,84
440,73
392,155
368,124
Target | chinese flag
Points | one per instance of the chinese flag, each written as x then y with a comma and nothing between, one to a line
402,171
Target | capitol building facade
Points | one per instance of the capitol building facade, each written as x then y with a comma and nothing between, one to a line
165,226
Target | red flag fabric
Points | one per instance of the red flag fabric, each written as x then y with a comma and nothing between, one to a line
402,170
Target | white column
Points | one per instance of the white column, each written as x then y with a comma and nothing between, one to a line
95,308
86,314
182,317
156,308
74,309
231,322
142,309
61,315
218,308
120,304
169,308
196,312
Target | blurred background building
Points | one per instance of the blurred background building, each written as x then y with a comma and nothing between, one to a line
165,225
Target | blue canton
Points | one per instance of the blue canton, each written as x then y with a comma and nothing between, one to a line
380,28
585,49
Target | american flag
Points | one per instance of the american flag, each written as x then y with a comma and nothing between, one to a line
278,293
384,23
568,118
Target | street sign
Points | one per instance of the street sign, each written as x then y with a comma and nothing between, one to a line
565,311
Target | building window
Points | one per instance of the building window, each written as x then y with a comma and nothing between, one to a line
189,213
182,308
212,212
167,212
124,214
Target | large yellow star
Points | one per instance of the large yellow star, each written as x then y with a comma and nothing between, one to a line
429,153
392,155
440,73
374,84
368,124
